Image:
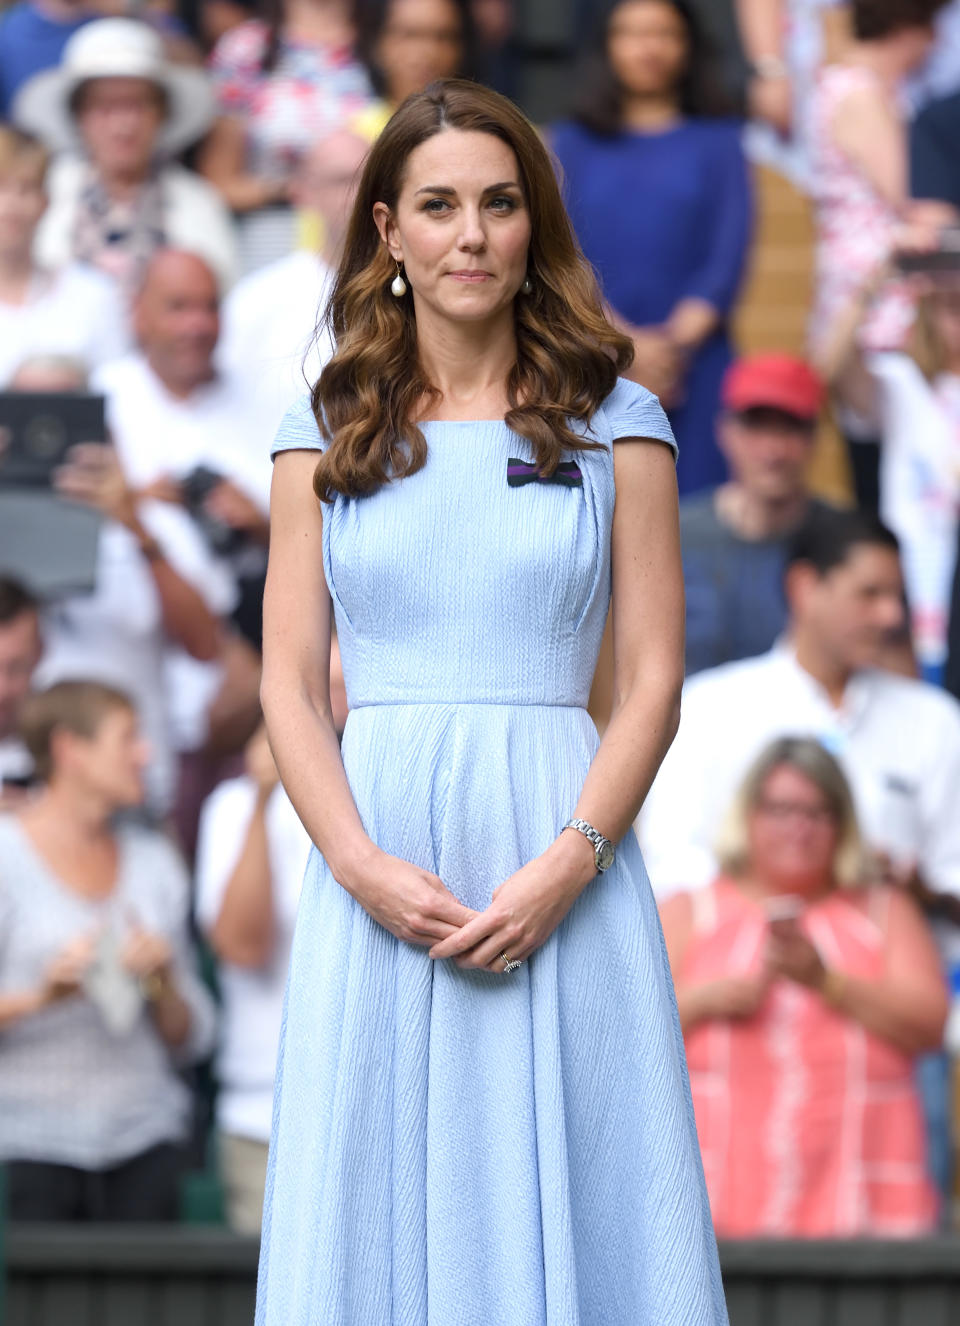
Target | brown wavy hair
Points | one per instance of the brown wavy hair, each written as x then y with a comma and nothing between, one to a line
568,353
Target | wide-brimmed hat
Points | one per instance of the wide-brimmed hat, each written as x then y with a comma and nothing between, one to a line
115,48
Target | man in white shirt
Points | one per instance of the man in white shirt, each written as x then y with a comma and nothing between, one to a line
187,434
897,738
270,319
168,408
20,650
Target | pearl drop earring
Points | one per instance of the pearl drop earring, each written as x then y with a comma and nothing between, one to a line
398,286
527,286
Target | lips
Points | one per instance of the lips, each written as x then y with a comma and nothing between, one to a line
470,276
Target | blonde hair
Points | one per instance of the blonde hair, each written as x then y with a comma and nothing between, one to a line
815,762
19,149
70,706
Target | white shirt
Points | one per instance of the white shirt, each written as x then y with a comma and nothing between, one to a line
115,635
269,332
252,999
159,435
897,739
920,490
74,311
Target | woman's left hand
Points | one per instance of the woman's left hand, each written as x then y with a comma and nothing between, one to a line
526,908
146,954
791,954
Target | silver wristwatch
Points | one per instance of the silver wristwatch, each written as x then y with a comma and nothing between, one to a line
603,852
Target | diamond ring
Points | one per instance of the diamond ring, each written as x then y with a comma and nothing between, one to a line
510,964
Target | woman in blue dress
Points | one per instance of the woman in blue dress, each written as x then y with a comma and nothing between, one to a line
482,1111
658,193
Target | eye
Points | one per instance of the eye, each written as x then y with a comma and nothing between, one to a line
436,205
503,203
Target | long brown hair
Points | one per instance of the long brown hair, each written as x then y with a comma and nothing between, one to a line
568,354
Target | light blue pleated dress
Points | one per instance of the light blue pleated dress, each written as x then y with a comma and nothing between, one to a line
455,1148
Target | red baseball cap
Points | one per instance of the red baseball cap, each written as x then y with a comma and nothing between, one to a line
777,381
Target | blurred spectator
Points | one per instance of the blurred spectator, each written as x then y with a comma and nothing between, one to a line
169,410
784,43
270,318
407,44
918,415
860,187
496,53
252,853
804,998
897,739
935,151
20,650
659,197
187,435
32,37
156,583
735,538
70,310
100,1000
120,110
281,84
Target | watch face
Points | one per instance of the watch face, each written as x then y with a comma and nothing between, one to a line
604,855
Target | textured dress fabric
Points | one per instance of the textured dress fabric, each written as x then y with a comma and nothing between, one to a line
462,1148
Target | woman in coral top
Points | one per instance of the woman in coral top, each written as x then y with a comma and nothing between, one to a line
804,997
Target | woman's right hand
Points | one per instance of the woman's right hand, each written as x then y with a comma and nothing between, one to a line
65,973
413,904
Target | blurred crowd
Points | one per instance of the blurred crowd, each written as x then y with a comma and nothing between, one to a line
174,190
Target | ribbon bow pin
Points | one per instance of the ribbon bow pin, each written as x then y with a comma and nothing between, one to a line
520,472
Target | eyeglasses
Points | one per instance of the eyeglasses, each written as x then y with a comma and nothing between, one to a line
781,811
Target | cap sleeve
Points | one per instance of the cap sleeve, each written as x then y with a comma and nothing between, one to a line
298,430
632,411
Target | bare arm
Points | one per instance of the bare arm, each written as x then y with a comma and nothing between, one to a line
647,610
866,128
908,1005
410,902
698,1001
244,931
761,28
223,161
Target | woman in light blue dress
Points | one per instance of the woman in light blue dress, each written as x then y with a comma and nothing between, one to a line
482,1110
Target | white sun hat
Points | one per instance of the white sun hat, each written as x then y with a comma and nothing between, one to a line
115,48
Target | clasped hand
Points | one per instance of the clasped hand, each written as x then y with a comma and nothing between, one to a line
417,907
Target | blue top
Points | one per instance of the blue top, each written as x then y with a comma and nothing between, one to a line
567,546
664,216
30,41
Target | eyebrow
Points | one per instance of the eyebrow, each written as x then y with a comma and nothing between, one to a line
450,192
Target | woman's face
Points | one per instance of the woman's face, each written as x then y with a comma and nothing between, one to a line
461,226
119,119
422,40
792,834
648,47
111,763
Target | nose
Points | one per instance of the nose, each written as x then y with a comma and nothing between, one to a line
472,237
